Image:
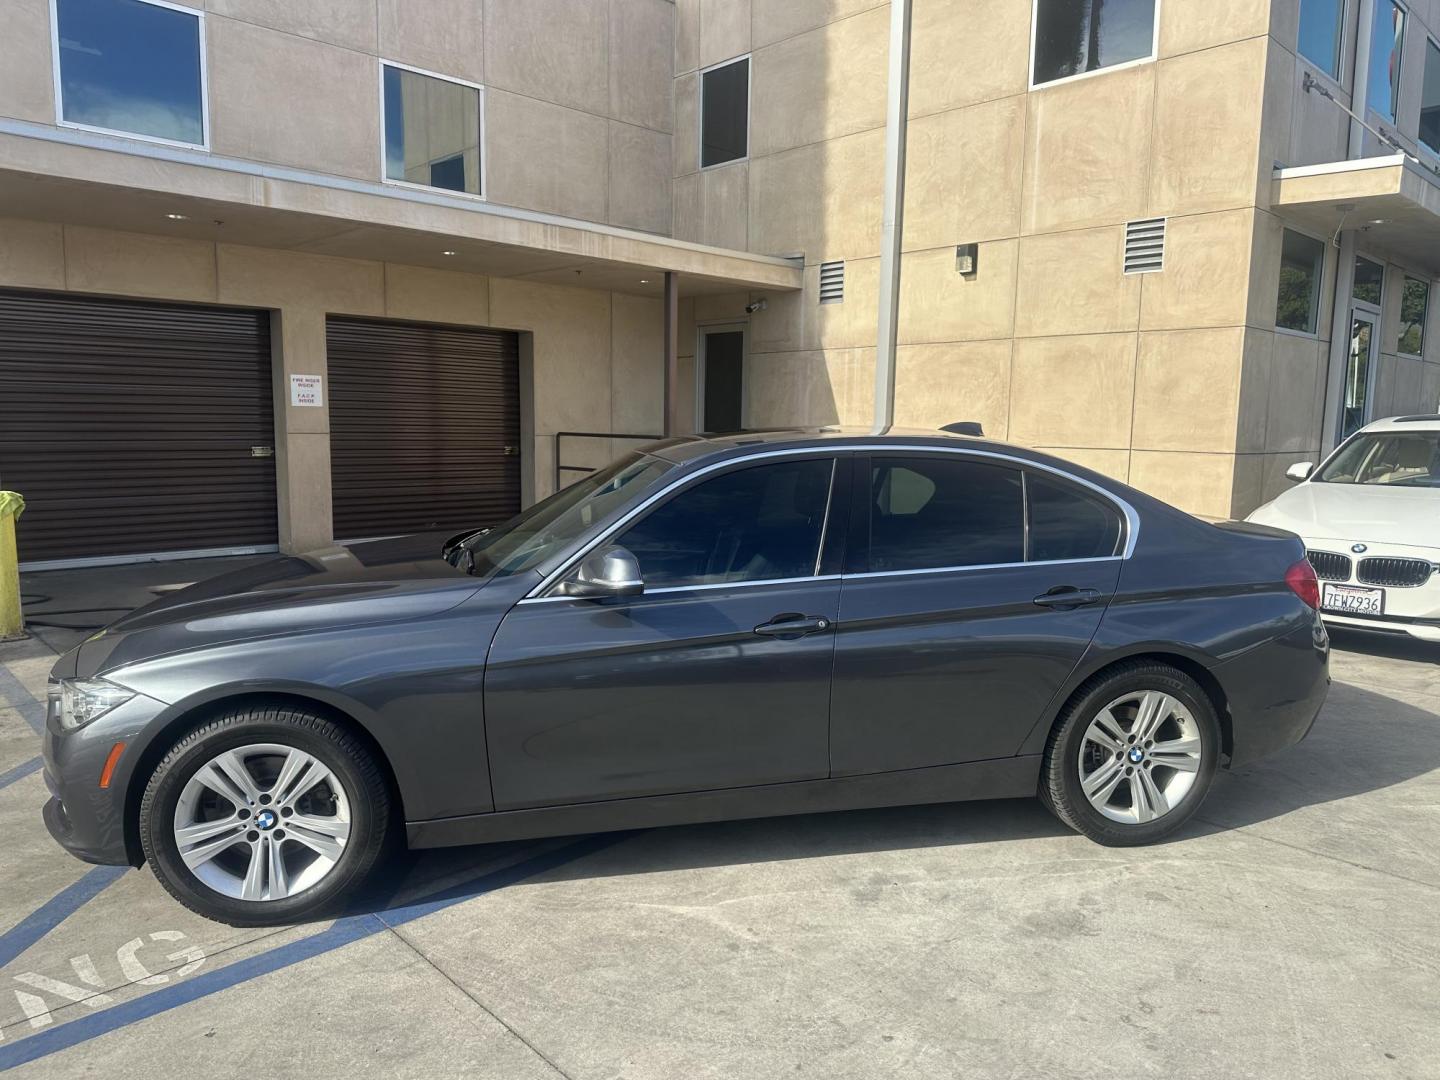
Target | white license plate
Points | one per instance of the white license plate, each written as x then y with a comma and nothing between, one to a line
1349,600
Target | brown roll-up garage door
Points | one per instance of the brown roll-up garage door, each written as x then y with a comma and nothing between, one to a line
424,427
129,426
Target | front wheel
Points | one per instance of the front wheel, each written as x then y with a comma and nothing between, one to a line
264,816
1132,756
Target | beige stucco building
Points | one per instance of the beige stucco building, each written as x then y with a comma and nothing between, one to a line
537,168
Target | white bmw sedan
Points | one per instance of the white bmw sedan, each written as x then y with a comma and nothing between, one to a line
1370,517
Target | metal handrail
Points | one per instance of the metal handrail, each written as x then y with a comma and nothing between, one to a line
559,468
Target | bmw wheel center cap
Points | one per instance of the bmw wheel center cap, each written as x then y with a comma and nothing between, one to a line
1136,755
265,820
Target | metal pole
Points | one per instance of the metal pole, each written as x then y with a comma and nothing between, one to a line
897,109
672,350
1360,89
1339,358
1339,342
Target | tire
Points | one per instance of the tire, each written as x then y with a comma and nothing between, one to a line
335,804
1104,722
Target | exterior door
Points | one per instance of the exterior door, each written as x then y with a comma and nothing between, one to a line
1360,364
971,592
135,428
718,676
424,426
721,385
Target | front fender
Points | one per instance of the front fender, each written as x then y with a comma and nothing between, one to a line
415,689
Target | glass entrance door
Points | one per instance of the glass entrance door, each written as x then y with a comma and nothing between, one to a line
1359,372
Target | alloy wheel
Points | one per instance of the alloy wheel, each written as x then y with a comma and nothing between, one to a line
1140,757
262,822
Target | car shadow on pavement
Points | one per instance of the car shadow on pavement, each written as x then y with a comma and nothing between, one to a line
1400,742
1389,646
1363,741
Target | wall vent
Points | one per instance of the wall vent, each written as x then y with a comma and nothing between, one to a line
832,282
1145,246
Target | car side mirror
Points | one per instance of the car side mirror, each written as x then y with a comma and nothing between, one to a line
1300,471
610,571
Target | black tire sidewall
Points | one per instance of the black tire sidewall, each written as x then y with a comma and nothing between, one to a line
367,828
1076,806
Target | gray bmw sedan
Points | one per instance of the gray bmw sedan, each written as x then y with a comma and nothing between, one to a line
710,628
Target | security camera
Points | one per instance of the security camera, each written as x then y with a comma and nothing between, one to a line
756,305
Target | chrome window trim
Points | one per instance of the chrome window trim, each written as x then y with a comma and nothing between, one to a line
980,566
1132,519
708,587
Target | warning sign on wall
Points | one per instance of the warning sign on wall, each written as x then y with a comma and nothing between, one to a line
306,390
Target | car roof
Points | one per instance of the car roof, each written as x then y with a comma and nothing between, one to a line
687,449
1417,422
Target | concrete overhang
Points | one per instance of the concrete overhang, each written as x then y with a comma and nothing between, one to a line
82,178
1394,200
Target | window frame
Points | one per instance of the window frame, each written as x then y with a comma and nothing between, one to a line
1068,483
1407,276
1319,296
1431,42
1342,41
201,45
862,524
831,529
1391,113
858,548
843,451
1031,84
1375,307
409,185
700,111
827,521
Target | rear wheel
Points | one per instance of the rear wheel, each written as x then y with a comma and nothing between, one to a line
264,816
1132,756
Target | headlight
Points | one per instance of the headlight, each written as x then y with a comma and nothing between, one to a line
84,700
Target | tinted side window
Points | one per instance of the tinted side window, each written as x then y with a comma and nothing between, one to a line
1067,523
748,525
937,512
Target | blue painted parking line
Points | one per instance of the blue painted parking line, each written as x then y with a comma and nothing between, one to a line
340,933
20,699
19,772
55,911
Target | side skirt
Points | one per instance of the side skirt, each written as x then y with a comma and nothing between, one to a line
1000,778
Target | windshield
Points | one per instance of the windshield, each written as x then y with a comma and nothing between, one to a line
1404,459
529,538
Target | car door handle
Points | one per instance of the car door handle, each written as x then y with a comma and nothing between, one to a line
1068,597
793,625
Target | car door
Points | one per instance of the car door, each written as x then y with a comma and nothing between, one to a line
972,589
716,676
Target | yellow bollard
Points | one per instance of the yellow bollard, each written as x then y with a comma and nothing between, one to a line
12,624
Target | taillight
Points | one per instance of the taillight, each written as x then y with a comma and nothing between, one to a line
1303,583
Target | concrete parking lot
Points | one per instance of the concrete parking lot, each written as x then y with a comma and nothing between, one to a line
1292,931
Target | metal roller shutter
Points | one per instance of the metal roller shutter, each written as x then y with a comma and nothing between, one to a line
424,426
128,426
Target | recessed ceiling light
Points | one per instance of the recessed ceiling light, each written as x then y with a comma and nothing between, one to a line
178,217
644,281
447,253
1378,221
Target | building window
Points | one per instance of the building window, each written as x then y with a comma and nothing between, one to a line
1387,43
725,113
1369,281
1414,305
432,130
1430,100
1074,37
1302,261
1322,30
134,67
